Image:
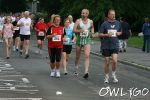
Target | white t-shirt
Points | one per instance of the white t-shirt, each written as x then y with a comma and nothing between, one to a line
25,29
1,23
13,18
71,25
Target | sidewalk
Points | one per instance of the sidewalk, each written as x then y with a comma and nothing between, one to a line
134,57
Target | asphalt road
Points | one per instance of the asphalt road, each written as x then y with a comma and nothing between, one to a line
133,82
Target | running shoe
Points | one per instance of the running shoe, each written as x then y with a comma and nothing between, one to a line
115,80
86,76
57,74
52,73
26,56
106,80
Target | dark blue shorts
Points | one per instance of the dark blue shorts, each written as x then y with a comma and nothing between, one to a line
109,52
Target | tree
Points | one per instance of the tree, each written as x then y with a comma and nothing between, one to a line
13,5
133,10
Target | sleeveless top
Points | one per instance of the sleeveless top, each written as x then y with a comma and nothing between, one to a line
69,35
85,37
8,33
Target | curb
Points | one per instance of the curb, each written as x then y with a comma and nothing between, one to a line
126,62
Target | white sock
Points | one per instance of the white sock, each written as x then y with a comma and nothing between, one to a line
113,72
107,75
53,70
57,70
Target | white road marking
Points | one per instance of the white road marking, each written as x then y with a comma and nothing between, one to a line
20,98
11,75
8,84
58,93
9,68
7,80
7,65
25,80
16,90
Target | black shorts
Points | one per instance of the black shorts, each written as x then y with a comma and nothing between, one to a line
67,49
40,38
24,37
55,54
16,34
109,52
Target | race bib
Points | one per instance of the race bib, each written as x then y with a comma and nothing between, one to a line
56,38
84,34
113,32
41,33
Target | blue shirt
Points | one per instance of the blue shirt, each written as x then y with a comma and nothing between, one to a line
110,42
146,29
69,35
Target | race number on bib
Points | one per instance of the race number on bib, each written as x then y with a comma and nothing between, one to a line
113,32
84,34
56,38
41,33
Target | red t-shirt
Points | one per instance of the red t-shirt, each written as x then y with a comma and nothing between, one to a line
57,41
41,27
49,24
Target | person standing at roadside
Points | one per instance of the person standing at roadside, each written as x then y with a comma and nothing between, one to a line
146,32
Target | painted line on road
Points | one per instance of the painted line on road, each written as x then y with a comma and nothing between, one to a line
11,75
25,80
126,62
3,80
16,90
20,98
7,68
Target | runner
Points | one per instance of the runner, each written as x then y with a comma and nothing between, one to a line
50,23
146,38
123,38
40,29
16,38
71,21
1,28
70,39
55,44
109,31
8,34
83,28
25,26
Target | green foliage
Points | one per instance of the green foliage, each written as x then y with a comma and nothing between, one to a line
13,5
133,10
135,42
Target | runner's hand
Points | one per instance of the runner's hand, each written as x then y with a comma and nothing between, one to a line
109,34
81,30
54,34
